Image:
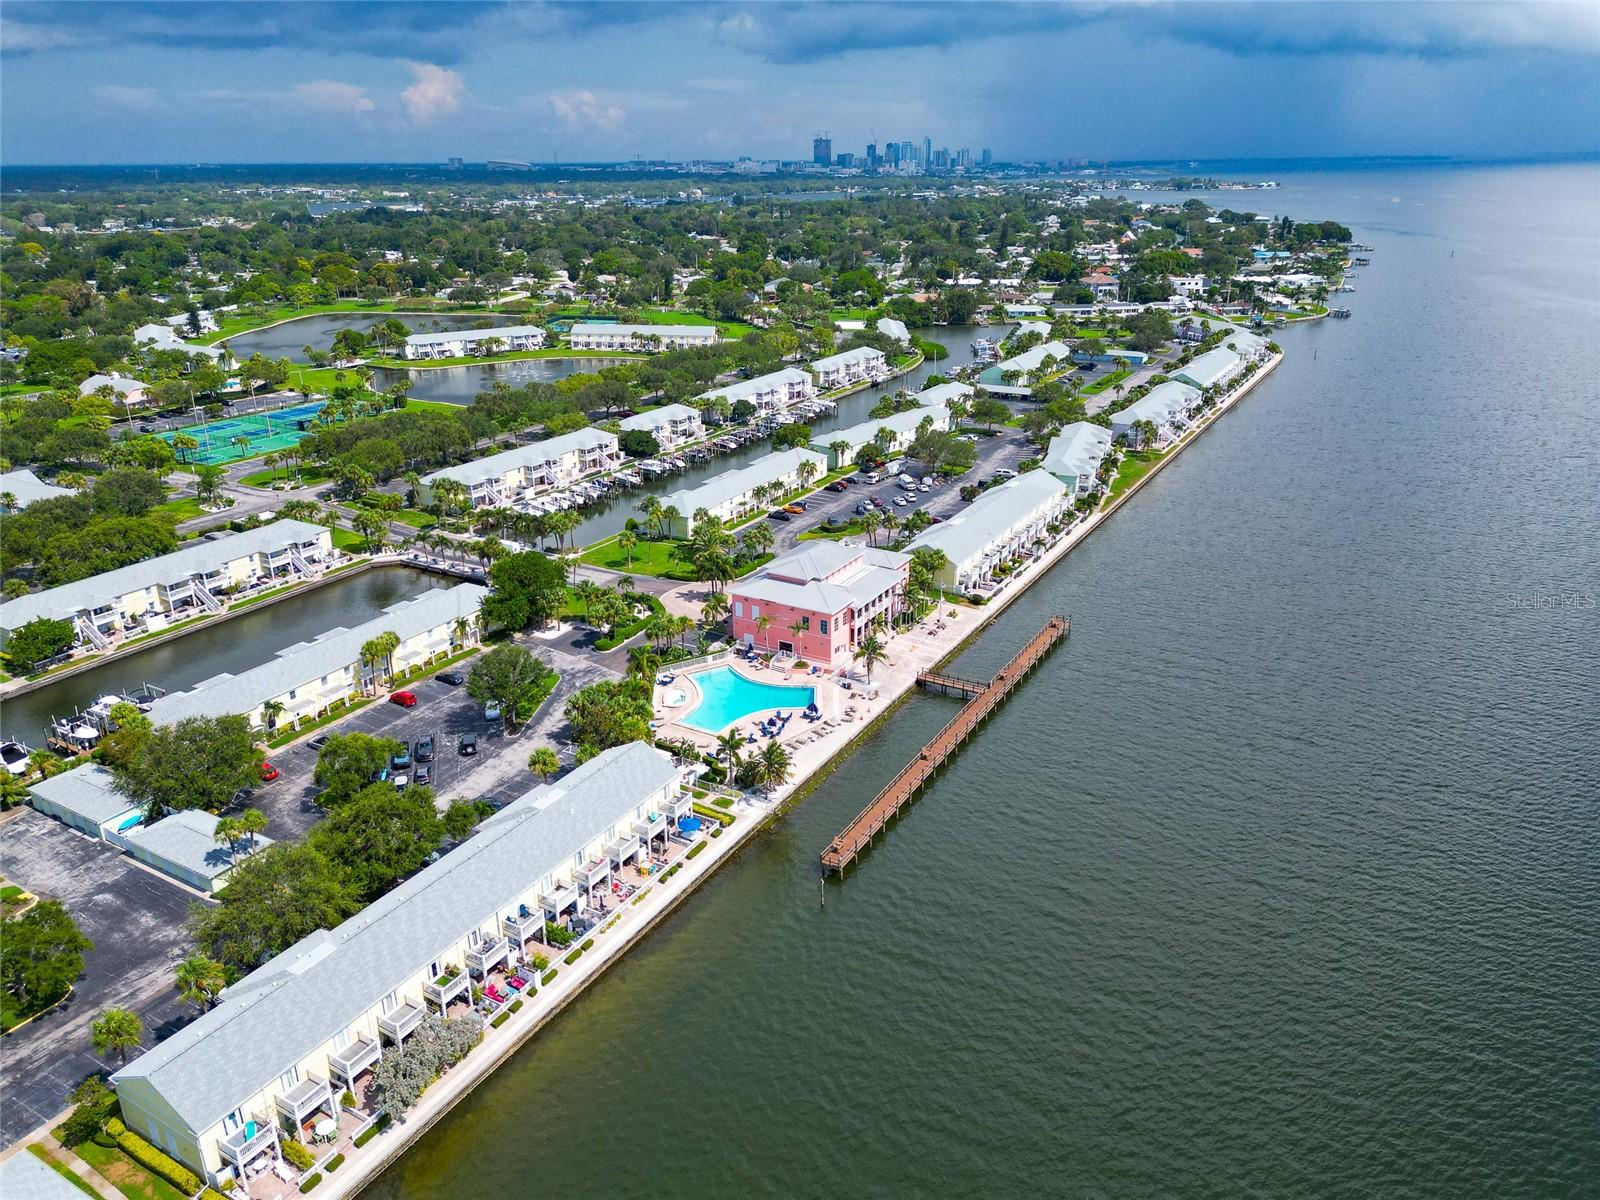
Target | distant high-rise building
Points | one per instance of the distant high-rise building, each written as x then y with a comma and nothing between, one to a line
908,153
822,150
872,154
456,164
845,159
927,152
987,157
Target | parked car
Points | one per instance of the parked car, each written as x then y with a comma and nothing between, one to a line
401,782
424,749
491,712
268,772
860,510
404,699
453,678
927,487
836,486
901,502
424,774
794,508
469,744
400,759
379,775
318,742
778,514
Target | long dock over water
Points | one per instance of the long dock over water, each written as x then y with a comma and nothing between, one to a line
982,699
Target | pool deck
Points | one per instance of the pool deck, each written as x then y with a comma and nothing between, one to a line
670,716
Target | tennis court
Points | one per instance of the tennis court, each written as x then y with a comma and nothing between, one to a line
262,433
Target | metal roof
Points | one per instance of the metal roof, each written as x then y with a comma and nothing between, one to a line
533,455
28,487
992,516
1160,404
657,417
732,484
846,357
89,791
761,383
1077,449
474,335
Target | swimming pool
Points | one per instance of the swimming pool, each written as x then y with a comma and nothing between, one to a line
727,696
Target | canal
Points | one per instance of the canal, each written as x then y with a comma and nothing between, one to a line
227,646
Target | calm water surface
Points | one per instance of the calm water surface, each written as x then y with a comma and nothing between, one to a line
290,338
1281,879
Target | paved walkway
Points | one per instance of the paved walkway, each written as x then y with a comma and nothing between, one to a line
80,1168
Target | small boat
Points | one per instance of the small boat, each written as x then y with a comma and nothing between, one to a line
1341,313
14,757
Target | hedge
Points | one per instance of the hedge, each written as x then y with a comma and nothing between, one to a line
499,1020
574,956
717,832
210,1193
333,1164
549,978
695,849
169,1168
515,1005
373,1130
588,944
310,1182
714,814
297,1154
115,1127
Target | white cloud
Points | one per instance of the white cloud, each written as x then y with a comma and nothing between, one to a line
585,110
142,99
329,95
436,91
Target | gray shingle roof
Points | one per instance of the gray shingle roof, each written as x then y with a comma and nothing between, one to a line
1160,404
731,484
28,487
189,840
89,790
898,423
1077,449
474,335
991,516
496,465
761,383
1212,367
846,357
658,417
284,1010
198,558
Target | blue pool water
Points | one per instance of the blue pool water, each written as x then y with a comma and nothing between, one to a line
727,696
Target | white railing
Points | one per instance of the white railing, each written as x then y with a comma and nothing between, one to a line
301,564
90,633
207,601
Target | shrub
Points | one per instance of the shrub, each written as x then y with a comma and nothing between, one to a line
153,1160
574,956
558,935
115,1127
695,849
539,962
333,1164
516,1005
211,1193
298,1156
499,1020
715,814
717,832
347,1099
588,944
549,978
310,1182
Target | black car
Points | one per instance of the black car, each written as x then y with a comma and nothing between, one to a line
778,514
424,750
469,743
453,678
837,485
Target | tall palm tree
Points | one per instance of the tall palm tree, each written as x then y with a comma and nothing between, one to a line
870,652
729,745
270,712
627,542
544,763
200,980
227,833
251,822
117,1031
776,766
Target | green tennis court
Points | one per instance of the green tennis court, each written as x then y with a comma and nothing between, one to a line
262,433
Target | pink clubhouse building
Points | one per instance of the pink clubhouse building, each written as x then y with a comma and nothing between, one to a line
818,601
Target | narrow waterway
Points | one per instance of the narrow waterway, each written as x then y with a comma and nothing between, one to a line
290,338
1281,878
233,646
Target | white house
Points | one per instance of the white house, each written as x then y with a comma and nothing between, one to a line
314,1021
1075,455
897,330
130,393
739,493
459,343
143,597
1001,524
1215,368
25,488
941,395
1030,368
850,366
902,428
1167,406
672,425
308,678
1188,286
592,336
165,337
771,394
515,475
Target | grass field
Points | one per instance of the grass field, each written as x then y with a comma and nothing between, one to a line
648,558
263,479
1107,381
181,510
127,1176
1136,464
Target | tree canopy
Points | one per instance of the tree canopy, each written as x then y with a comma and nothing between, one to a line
201,762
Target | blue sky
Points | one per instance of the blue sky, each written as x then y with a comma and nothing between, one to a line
420,81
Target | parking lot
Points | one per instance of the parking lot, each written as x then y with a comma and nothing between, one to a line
1003,451
135,919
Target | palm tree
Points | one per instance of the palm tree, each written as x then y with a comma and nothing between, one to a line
715,608
200,980
251,822
8,501
872,521
588,592
270,712
386,644
838,448
227,833
775,766
117,1031
650,506
183,444
544,763
627,542
870,653
46,763
806,472
729,745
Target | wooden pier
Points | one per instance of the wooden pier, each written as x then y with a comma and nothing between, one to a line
982,699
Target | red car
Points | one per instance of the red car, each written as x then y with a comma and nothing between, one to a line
404,699
268,772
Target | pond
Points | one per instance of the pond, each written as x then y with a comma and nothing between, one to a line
288,339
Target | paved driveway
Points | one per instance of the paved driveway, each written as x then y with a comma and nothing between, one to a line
135,919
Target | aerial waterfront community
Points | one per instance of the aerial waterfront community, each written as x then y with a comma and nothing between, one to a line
732,477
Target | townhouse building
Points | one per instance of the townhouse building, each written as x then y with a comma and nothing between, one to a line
1075,455
672,425
519,474
893,434
461,343
641,338
818,601
770,394
850,366
1167,406
1001,525
740,493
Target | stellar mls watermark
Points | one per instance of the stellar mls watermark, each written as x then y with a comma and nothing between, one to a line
1529,601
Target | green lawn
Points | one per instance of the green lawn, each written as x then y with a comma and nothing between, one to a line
648,558
1106,381
1136,464
127,1176
263,479
348,539
181,510
856,314
61,1169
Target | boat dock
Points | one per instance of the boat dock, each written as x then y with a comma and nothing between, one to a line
982,698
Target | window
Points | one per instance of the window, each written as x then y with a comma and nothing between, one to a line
292,692
823,627
755,610
289,1078
342,1038
391,1002
738,608
805,623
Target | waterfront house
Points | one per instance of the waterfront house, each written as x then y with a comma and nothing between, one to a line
130,393
1029,367
770,394
1167,406
309,678
1075,455
283,1043
1188,286
460,343
1215,368
25,488
818,601
899,429
1104,287
892,328
1112,356
850,366
144,597
165,337
999,527
739,493
672,425
645,338
942,394
512,476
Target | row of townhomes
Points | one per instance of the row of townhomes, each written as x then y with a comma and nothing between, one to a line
770,394
528,471
22,488
182,845
309,678
860,365
647,338
1168,406
899,431
1075,455
998,527
818,601
284,1045
739,493
460,343
672,425
147,596
943,395
1026,369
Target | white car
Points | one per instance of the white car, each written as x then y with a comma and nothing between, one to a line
927,487
901,502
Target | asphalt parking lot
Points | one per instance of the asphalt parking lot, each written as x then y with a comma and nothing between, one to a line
135,919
